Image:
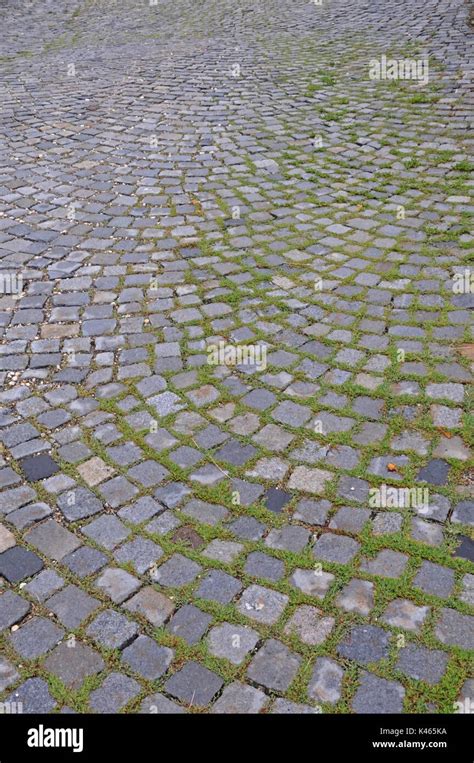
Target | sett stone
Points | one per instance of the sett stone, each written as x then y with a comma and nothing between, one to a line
326,681
262,604
274,666
194,684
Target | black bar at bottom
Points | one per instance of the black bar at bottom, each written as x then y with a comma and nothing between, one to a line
89,737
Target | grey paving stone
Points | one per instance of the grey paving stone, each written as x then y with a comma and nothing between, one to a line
435,472
264,566
238,698
141,552
434,579
223,551
8,674
28,515
112,629
357,596
274,666
365,644
292,414
52,539
218,586
18,563
74,452
72,605
117,584
422,664
276,499
247,528
126,454
232,642
455,629
117,491
353,489
313,582
116,691
185,457
387,564
309,624
151,604
15,498
177,571
33,696
13,608
72,662
194,685
36,637
235,453
286,707
166,403
273,437
207,513
8,477
78,503
463,513
162,525
158,704
309,480
189,623
335,548
312,512
387,523
349,519
140,511
465,549
467,593
288,538
38,467
402,613
44,584
378,696
148,473
259,399
326,681
466,694
146,657
262,604
269,469
85,561
106,531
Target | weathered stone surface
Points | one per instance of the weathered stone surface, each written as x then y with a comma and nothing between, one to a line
262,604
152,605
357,596
194,685
274,666
239,698
402,613
326,681
72,662
36,637
147,658
309,624
13,608
455,629
365,644
233,642
377,695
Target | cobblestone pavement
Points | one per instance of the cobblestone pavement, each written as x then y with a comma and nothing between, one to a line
236,357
